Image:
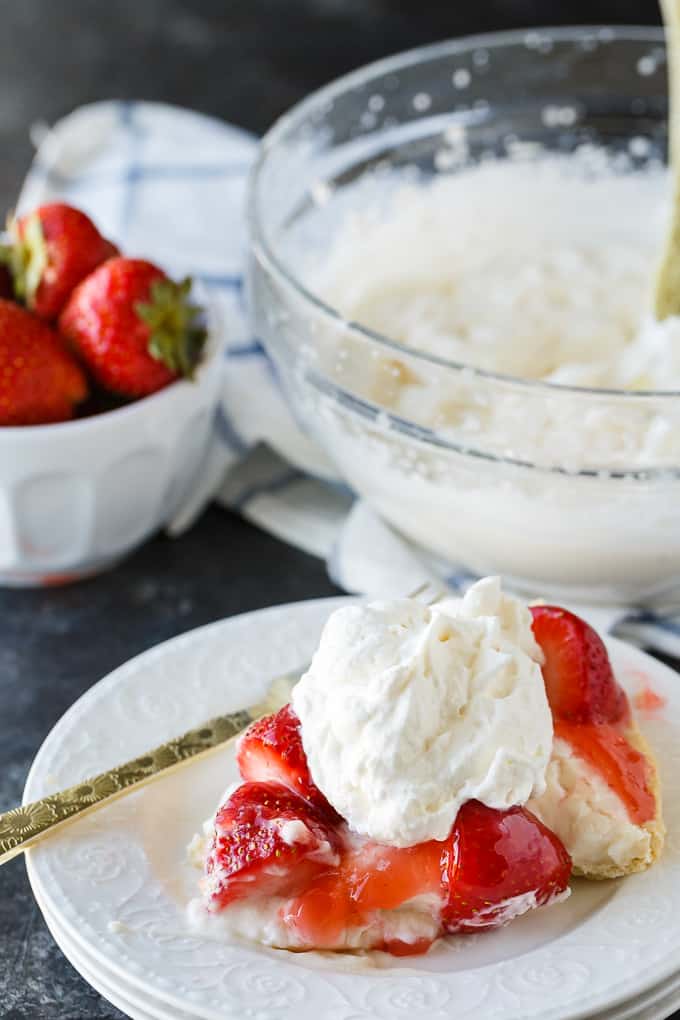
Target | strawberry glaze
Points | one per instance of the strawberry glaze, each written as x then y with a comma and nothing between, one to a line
624,769
590,708
370,878
647,700
492,865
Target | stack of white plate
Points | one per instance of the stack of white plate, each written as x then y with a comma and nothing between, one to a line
114,887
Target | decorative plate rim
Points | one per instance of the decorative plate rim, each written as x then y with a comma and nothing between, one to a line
294,623
76,957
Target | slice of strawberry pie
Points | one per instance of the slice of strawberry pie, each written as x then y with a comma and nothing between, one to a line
283,868
440,770
602,795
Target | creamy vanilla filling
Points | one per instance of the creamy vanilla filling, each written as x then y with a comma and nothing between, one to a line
260,919
587,815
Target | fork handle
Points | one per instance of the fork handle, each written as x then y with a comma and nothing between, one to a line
22,827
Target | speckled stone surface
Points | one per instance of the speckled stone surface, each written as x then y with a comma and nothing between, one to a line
246,60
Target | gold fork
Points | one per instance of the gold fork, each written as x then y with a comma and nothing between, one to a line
22,827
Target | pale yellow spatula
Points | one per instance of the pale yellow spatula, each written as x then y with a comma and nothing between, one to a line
667,290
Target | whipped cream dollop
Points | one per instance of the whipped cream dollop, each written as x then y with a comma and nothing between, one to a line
409,711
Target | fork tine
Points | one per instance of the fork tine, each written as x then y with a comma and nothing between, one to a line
428,593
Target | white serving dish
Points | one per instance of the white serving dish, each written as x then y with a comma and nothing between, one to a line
78,495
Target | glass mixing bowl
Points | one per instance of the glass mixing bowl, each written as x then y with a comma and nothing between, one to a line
517,481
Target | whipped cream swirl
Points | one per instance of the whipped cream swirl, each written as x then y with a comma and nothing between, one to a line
409,711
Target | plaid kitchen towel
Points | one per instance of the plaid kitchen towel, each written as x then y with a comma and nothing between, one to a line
169,184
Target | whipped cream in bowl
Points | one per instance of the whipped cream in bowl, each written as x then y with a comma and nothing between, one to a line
459,305
409,711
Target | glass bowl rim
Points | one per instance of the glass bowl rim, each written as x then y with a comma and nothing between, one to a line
297,113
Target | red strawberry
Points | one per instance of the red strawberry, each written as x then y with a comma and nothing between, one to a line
40,382
579,679
51,250
494,856
489,858
271,749
134,328
268,840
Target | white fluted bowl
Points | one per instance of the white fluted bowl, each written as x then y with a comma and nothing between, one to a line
77,496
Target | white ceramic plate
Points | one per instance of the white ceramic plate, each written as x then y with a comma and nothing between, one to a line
131,1002
117,883
656,1004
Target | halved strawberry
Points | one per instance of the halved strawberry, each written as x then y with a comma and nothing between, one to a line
579,680
267,840
494,857
271,749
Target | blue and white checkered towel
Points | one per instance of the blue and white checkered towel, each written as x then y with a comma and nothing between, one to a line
169,184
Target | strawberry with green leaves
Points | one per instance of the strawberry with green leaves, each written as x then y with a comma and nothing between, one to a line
135,329
49,252
40,381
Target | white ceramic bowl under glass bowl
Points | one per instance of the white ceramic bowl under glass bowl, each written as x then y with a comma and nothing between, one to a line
576,521
77,496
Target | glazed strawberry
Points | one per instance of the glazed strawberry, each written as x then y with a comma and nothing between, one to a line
133,327
493,857
271,749
489,859
268,840
40,382
579,679
50,251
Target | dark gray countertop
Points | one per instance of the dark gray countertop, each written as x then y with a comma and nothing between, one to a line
245,60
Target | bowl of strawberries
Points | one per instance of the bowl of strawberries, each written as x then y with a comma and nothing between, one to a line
109,380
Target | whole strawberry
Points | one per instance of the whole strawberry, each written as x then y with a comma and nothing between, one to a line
50,251
40,381
133,327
